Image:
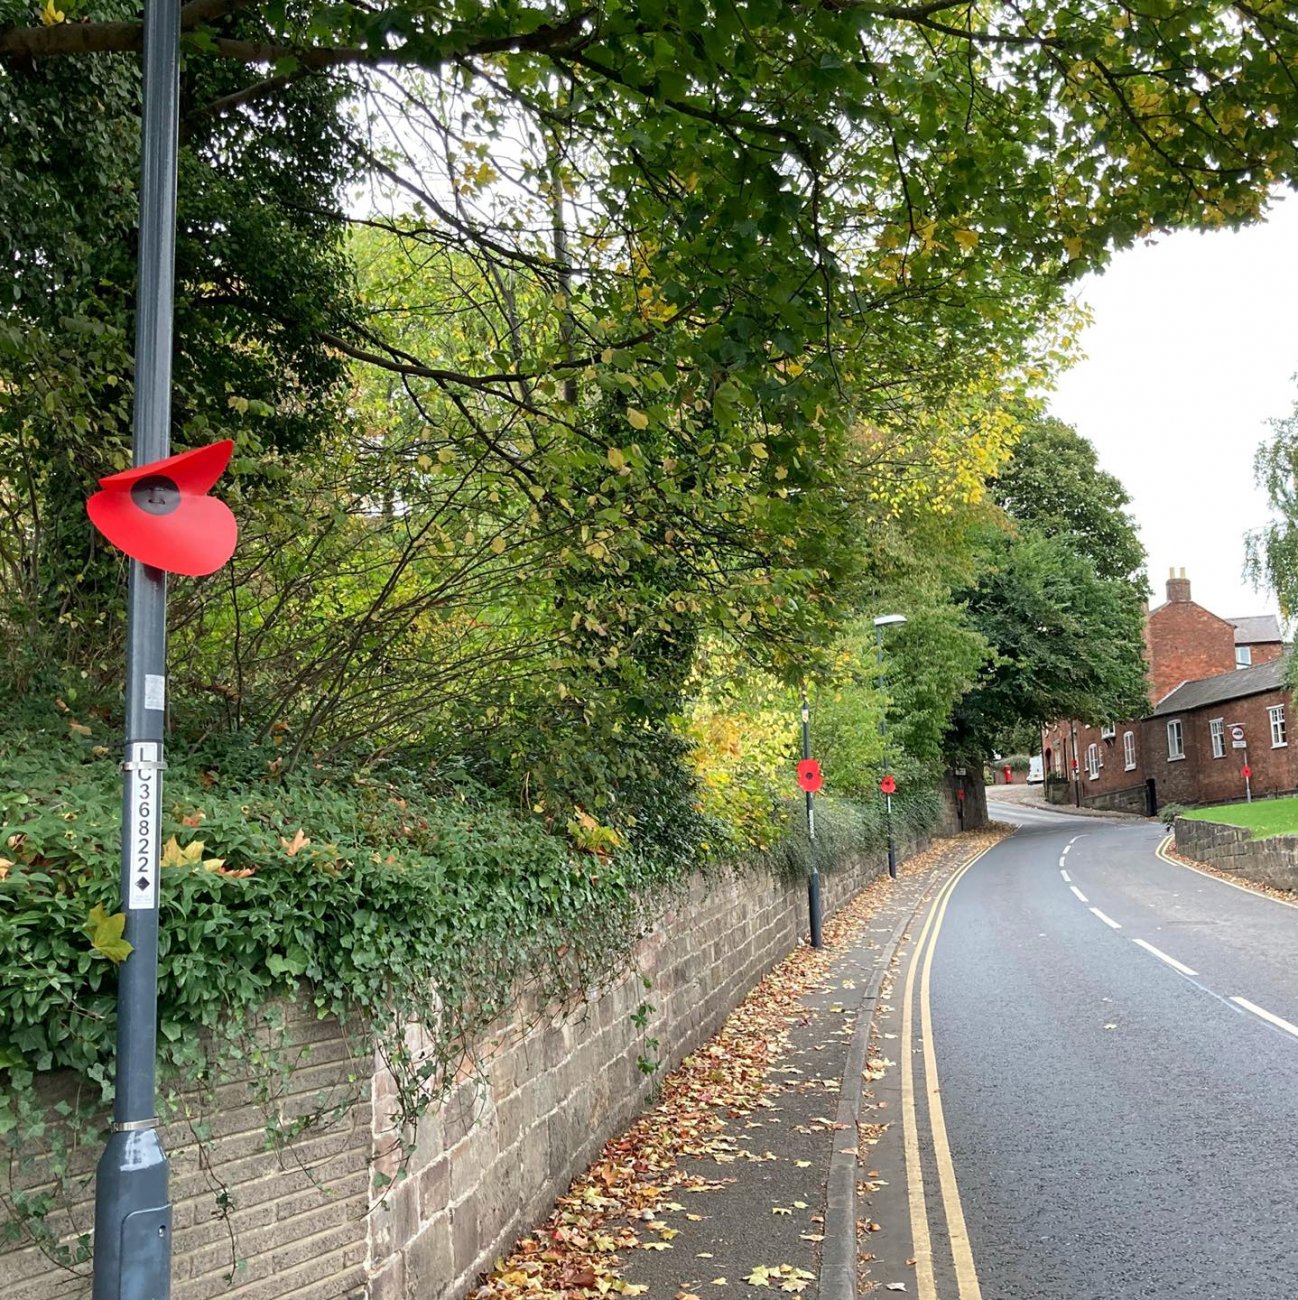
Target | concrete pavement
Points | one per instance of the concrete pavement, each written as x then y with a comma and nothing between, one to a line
751,1172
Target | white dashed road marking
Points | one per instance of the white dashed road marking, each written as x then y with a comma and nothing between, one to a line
1268,1016
1162,956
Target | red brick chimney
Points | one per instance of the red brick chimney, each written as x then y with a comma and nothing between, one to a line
1178,587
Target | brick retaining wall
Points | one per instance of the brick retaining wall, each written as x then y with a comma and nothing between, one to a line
1271,861
1130,799
550,1087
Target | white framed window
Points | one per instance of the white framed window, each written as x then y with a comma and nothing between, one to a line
1243,656
1093,761
1217,730
1129,750
1275,716
1175,740
1108,731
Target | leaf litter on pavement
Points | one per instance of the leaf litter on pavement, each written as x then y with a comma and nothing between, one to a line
624,1201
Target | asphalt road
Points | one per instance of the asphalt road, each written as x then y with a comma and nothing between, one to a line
1117,1127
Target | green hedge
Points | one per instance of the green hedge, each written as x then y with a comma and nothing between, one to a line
846,829
362,889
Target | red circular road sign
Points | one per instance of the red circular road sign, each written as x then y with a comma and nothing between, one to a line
888,785
1246,771
810,777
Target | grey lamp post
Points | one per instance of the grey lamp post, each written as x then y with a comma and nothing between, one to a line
813,880
132,1200
886,620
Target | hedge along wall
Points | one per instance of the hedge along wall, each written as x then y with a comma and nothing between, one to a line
548,1088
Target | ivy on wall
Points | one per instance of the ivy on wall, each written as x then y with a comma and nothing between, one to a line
385,898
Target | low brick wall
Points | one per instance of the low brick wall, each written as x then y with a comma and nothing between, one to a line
548,1089
296,1225
1271,861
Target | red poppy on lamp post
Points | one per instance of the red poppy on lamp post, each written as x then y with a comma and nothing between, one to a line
161,515
810,777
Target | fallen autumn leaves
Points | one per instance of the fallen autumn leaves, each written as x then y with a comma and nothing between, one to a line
625,1200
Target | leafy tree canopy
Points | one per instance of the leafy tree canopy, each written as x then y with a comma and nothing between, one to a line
1058,599
1067,643
557,339
1054,485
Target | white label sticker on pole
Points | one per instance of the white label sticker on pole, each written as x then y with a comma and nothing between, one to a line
143,817
155,691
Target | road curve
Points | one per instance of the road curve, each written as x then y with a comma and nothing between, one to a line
1114,1060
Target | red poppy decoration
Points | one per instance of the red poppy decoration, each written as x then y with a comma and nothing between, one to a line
1246,771
161,515
810,777
888,785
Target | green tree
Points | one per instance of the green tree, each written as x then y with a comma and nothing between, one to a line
261,280
1056,593
1054,485
1271,557
666,309
1066,644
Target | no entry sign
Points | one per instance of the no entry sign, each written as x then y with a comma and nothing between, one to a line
809,775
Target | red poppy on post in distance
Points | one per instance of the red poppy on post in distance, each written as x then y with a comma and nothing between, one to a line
809,775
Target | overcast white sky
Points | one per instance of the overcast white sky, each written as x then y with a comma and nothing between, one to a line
1193,348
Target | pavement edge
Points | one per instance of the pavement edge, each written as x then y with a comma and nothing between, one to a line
839,1260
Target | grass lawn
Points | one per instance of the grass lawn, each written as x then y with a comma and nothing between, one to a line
1263,817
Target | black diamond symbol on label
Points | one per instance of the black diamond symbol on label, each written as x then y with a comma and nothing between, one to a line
143,883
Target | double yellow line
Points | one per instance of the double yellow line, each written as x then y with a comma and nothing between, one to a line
961,1253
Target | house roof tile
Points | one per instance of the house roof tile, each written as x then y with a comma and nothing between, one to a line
1225,686
1253,629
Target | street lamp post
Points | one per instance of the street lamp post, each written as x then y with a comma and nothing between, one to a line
132,1244
813,880
886,620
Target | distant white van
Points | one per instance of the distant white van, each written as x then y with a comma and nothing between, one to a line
1036,770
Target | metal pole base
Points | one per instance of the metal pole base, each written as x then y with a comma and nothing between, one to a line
892,857
813,898
132,1219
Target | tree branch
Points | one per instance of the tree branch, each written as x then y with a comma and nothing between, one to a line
102,38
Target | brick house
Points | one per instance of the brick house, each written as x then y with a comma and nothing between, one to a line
1189,738
1207,674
